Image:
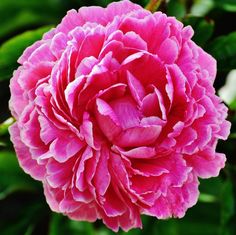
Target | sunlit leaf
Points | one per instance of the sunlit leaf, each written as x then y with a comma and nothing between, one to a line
228,91
201,7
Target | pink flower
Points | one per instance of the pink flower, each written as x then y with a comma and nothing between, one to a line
117,115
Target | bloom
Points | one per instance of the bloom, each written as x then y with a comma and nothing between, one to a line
117,115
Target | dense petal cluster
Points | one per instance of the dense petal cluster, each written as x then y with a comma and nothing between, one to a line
117,115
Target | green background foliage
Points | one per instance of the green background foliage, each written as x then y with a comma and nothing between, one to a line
23,209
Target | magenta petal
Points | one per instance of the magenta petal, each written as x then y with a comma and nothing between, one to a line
113,92
207,62
126,112
58,44
18,100
107,119
102,176
136,88
179,83
85,212
140,152
28,51
206,164
168,51
131,137
48,132
65,147
29,165
112,205
80,178
58,175
104,16
84,196
147,168
117,115
87,130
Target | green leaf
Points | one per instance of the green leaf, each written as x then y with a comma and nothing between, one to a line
228,92
203,29
201,7
19,15
4,126
227,5
227,205
21,213
223,49
12,176
176,8
61,225
11,50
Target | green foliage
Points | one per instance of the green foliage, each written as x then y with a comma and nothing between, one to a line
13,48
203,29
23,209
12,177
176,8
227,5
223,48
201,7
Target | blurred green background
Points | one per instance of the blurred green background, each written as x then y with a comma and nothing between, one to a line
23,209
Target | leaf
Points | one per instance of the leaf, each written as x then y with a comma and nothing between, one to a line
176,8
61,225
227,208
223,48
4,126
228,92
13,48
12,177
201,7
227,5
21,212
203,29
18,15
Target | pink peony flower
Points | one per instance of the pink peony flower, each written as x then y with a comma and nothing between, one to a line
117,115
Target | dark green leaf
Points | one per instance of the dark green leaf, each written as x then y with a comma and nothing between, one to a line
227,5
61,225
25,14
21,212
227,208
12,176
223,49
11,50
176,8
203,29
